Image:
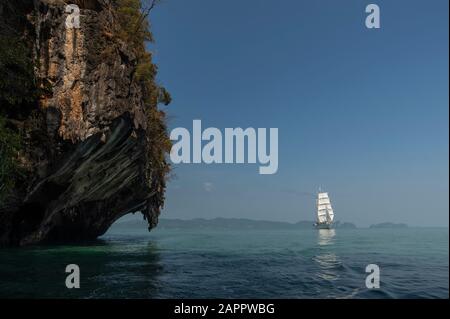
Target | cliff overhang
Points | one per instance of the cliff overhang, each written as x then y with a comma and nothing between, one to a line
88,154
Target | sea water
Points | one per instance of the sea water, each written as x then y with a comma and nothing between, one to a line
211,263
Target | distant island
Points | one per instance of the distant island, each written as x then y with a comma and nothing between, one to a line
232,223
244,223
389,225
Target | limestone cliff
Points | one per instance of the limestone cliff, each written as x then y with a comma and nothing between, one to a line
87,154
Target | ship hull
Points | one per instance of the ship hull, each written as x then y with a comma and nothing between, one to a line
323,226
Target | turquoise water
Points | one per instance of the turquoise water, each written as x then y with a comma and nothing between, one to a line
171,263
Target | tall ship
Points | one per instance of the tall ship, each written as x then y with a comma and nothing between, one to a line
325,214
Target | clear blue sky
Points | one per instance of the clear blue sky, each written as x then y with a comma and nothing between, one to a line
364,113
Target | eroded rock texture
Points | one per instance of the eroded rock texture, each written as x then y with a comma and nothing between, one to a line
86,148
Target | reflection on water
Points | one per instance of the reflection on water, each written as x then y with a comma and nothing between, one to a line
326,260
326,237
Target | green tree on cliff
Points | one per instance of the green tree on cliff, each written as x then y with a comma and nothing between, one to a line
134,29
17,94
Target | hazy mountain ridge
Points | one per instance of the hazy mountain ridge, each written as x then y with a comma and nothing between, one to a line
389,225
230,223
245,223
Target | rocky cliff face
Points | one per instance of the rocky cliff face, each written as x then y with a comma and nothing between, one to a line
86,145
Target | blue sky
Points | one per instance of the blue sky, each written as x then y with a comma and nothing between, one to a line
363,113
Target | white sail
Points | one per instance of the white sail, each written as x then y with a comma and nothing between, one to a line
330,217
323,195
325,214
322,215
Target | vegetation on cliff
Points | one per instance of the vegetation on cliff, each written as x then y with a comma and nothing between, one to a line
18,93
17,85
134,29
